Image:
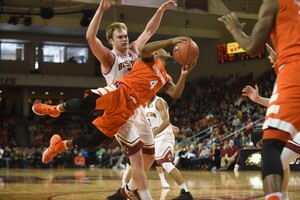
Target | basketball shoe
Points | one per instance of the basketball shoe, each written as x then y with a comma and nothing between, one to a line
132,195
52,150
184,196
44,109
116,196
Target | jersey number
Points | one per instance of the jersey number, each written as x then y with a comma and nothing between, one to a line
153,84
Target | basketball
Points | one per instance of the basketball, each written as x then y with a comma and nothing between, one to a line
185,52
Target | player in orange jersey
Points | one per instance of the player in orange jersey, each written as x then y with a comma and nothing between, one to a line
279,19
115,64
120,101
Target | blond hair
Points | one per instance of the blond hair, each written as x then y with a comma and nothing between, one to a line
112,27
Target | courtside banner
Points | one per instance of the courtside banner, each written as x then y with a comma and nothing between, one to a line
234,47
250,160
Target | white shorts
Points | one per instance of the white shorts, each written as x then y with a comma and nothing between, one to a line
136,134
164,147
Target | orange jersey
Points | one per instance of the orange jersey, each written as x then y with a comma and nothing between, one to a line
285,34
119,100
145,80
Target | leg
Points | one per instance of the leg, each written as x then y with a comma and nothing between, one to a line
290,152
272,171
161,175
75,104
176,175
57,145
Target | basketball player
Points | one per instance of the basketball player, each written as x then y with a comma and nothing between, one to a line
253,94
121,101
280,19
116,63
157,113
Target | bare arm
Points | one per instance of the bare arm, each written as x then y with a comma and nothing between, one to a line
162,107
148,50
102,53
175,91
261,31
152,26
253,94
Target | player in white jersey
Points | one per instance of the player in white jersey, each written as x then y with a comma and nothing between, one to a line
157,113
135,136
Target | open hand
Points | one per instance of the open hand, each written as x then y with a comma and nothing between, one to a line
167,5
105,4
250,92
180,39
231,22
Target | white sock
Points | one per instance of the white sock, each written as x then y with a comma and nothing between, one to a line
57,108
145,194
275,194
285,195
131,185
65,143
162,177
183,186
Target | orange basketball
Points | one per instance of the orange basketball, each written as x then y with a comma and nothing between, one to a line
185,52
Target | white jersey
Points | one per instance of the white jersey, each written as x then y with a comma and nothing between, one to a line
154,118
122,66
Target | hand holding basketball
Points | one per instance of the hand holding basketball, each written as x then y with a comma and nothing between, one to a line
186,52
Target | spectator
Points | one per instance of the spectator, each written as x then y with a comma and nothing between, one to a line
79,161
230,157
244,140
215,159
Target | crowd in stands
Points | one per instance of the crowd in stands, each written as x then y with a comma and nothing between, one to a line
213,105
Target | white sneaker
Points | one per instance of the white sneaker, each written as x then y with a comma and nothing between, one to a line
165,185
285,195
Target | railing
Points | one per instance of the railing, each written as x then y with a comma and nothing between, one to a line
241,129
187,140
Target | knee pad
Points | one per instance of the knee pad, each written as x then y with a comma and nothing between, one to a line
168,166
291,151
271,152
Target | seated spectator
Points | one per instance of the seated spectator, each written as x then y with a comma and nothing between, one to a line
215,159
244,140
231,154
79,161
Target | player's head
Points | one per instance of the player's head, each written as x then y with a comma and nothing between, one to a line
163,56
117,35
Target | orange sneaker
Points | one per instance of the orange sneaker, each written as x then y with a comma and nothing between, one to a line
44,109
51,151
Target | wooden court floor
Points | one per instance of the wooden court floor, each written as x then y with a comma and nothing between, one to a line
97,184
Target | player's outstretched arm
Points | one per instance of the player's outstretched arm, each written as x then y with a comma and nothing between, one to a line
102,53
253,94
261,31
152,26
147,51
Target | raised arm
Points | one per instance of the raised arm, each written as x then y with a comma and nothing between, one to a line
253,94
175,91
261,31
102,53
162,107
152,26
148,50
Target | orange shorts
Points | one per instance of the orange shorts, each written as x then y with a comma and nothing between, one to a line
118,106
283,111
